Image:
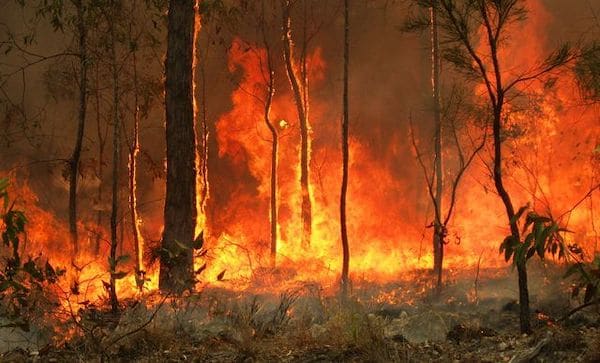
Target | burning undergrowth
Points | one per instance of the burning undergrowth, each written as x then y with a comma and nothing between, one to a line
401,321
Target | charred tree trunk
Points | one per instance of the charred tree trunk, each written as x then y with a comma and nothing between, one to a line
205,191
303,62
200,149
274,157
116,162
439,229
274,141
138,242
345,159
176,269
274,154
101,134
134,149
300,100
76,156
498,108
524,318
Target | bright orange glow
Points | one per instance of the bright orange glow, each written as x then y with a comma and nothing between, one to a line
550,165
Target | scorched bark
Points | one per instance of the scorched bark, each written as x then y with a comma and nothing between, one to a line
176,270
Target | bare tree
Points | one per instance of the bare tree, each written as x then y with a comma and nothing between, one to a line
455,109
454,113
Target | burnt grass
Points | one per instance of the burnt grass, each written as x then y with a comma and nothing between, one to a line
404,321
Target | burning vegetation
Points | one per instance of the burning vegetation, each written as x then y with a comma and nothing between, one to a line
300,180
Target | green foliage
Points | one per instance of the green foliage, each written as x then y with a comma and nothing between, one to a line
170,255
541,235
53,11
587,70
20,283
588,278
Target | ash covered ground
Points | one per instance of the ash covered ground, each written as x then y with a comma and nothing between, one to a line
473,319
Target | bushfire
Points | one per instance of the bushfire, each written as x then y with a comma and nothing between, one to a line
470,124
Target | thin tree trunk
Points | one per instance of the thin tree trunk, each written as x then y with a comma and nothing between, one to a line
274,140
306,208
345,159
438,233
524,318
138,242
200,154
76,156
303,62
274,154
274,219
115,177
101,145
176,269
205,191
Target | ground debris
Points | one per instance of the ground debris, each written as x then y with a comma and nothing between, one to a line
222,325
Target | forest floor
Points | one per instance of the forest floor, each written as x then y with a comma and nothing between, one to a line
473,320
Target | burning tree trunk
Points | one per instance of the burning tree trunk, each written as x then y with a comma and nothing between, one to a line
176,269
102,135
205,191
439,231
345,158
76,156
134,150
202,148
116,163
301,100
200,58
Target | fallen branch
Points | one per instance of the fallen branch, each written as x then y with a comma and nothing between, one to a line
529,354
580,307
